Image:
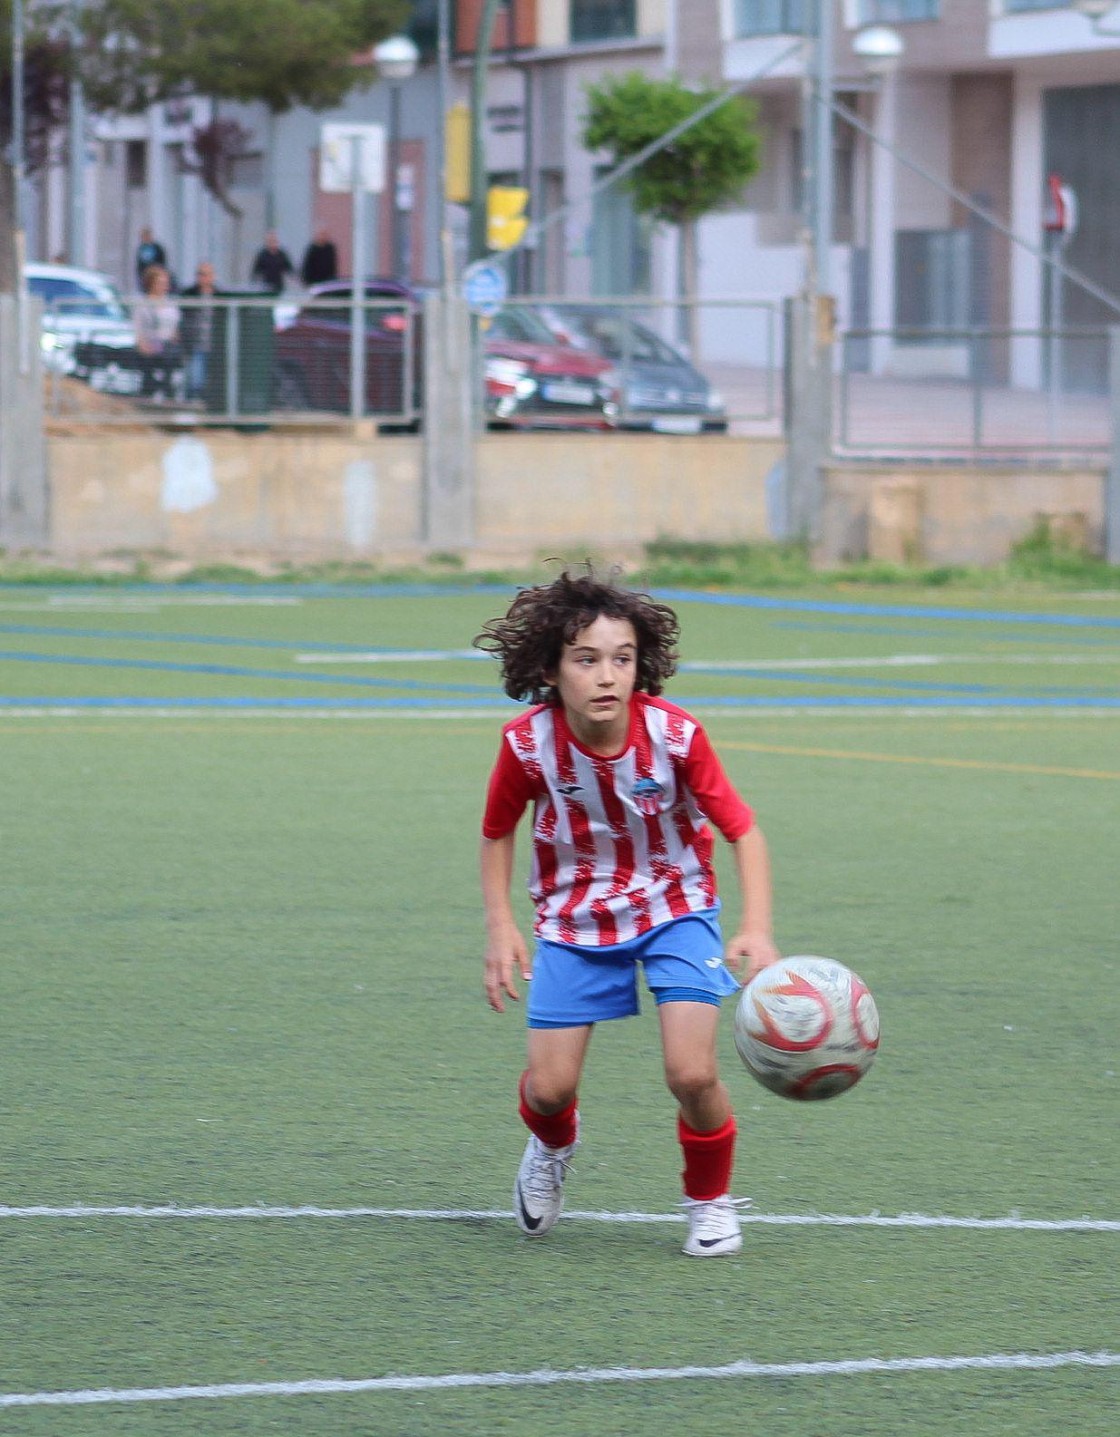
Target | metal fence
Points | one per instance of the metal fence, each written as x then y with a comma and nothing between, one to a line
231,359
543,362
982,392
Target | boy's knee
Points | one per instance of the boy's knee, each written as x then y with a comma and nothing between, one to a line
690,1083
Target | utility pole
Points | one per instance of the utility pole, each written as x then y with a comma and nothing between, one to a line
484,38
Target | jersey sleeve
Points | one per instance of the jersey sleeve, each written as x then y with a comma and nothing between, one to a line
714,791
509,792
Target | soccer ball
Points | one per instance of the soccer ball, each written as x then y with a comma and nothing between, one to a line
807,1028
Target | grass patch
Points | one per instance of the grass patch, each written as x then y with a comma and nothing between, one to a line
1044,561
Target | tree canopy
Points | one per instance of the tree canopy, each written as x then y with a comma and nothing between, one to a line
132,53
702,169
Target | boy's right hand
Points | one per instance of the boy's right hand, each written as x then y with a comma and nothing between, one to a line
506,953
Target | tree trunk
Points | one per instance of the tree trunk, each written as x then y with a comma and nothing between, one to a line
8,275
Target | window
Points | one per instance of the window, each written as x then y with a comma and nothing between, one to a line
769,17
887,12
136,164
603,19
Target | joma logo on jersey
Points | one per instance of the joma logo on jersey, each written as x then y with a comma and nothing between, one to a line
647,794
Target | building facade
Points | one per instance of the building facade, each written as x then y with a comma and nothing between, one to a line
988,100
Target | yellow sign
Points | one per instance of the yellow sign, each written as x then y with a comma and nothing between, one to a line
457,154
506,221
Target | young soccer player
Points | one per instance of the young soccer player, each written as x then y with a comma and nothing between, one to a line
623,786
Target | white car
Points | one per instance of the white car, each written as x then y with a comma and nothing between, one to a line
80,307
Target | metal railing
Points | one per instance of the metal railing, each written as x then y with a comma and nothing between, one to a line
236,359
972,391
229,360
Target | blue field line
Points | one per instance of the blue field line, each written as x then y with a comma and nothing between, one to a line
847,679
898,611
244,701
668,595
240,671
943,691
696,703
271,590
153,636
925,632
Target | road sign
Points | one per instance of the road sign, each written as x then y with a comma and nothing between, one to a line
485,288
336,158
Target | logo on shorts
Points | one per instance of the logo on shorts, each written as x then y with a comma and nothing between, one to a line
712,962
647,793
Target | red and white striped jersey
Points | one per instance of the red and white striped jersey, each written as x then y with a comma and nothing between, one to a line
620,844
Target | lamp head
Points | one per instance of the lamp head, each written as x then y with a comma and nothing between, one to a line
396,58
880,48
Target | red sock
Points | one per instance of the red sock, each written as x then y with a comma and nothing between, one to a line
708,1158
555,1130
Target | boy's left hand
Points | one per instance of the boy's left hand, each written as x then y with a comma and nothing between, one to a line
752,951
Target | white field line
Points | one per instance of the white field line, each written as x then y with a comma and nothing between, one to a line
584,1376
420,714
1013,1223
394,656
881,661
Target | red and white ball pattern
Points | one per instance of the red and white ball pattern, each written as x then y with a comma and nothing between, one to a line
807,1028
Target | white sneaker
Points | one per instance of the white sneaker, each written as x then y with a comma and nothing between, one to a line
538,1193
713,1227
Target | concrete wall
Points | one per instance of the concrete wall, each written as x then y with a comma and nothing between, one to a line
951,514
305,496
308,496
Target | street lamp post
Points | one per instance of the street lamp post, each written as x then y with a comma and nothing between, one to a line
396,59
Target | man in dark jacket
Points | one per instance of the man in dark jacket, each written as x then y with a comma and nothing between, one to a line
320,259
196,328
271,265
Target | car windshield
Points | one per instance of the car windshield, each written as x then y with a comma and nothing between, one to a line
616,335
69,296
521,326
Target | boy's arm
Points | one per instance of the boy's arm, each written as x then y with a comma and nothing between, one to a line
506,949
754,940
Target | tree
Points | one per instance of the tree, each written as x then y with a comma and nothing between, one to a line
701,170
45,106
133,53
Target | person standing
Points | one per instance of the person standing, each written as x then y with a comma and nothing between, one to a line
623,786
272,265
197,326
149,251
155,320
320,259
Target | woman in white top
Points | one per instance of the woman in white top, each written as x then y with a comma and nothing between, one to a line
156,322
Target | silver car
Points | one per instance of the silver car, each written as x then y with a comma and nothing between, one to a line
81,307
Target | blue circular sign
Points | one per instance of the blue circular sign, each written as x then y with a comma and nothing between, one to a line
485,288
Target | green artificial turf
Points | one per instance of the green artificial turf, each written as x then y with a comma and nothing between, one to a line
241,966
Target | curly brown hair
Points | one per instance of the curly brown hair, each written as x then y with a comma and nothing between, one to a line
530,636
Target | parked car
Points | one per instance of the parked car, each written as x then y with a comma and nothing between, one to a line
81,308
661,390
532,380
535,381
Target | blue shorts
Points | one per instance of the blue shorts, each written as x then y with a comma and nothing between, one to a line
574,984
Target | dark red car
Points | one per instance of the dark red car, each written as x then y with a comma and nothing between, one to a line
532,381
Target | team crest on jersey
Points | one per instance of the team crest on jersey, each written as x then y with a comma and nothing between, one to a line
647,794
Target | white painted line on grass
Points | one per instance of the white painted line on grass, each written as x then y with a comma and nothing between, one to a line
703,666
585,1376
500,712
394,656
1013,1223
893,661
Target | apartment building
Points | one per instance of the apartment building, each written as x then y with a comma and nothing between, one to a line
988,99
